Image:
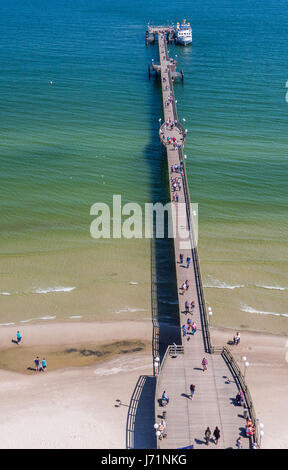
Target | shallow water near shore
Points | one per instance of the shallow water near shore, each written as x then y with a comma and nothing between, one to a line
79,123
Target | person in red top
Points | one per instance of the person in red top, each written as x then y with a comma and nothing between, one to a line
204,363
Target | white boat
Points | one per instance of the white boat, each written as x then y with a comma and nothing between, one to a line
183,33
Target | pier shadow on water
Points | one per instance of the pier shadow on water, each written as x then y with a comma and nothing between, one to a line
164,296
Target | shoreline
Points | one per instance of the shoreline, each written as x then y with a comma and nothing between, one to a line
97,385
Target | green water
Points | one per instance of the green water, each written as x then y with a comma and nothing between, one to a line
92,133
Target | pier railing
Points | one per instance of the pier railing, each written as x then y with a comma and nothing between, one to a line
228,357
172,351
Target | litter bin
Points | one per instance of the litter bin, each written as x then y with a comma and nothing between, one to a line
245,413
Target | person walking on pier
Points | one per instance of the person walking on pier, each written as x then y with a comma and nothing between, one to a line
184,329
184,287
186,307
239,443
207,435
181,258
164,398
194,328
187,284
216,434
192,391
204,364
188,260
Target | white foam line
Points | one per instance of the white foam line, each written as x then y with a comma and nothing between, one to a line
48,317
271,287
223,285
130,310
48,290
248,309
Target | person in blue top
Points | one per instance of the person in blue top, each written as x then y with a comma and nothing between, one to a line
19,337
164,398
44,364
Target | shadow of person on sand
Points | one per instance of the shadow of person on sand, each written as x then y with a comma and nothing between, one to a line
31,368
14,341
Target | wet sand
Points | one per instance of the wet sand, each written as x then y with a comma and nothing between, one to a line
76,407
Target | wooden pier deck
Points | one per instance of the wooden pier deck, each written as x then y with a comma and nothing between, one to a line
216,389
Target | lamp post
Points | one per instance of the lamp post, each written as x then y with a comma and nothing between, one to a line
210,313
261,435
156,365
246,365
244,359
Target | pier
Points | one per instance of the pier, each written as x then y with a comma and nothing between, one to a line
214,401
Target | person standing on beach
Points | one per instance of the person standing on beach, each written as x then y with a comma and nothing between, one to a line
207,435
236,338
216,434
37,363
19,337
44,364
204,363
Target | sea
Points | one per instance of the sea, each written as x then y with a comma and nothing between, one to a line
79,123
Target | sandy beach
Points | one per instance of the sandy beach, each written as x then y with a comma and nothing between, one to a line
77,407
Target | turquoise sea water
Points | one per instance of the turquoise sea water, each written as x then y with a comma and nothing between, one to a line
92,133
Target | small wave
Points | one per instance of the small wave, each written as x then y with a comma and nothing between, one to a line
75,316
271,287
48,290
216,284
5,293
7,324
48,317
130,310
133,283
248,309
